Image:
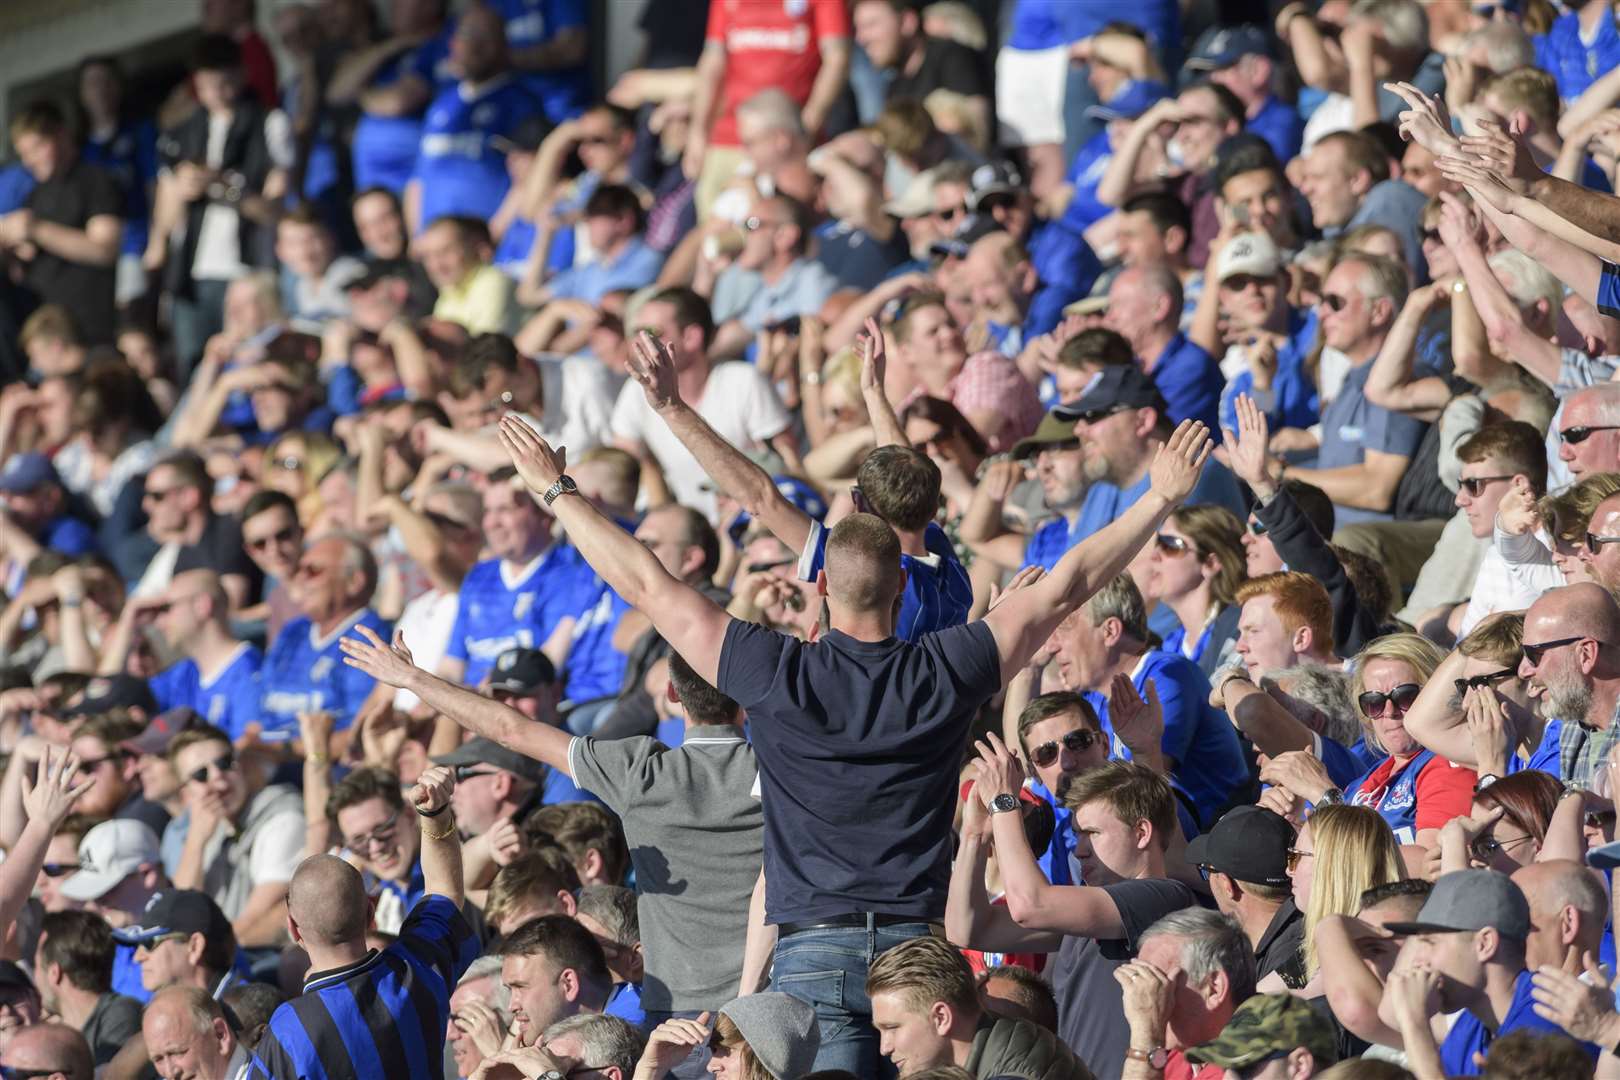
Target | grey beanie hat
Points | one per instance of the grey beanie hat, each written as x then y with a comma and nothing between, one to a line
780,1029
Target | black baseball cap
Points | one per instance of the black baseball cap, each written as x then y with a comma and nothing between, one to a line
1116,386
104,694
521,671
177,911
1249,843
13,977
482,751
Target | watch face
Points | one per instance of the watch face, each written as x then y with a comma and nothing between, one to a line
1003,803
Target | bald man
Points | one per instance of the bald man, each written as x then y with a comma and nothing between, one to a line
409,982
1602,551
1589,430
1572,668
216,674
1144,307
1568,908
188,1037
1003,280
43,1049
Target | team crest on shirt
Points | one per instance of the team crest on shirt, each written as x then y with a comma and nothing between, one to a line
320,669
521,606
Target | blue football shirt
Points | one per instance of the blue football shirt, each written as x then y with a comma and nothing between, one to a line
304,672
229,701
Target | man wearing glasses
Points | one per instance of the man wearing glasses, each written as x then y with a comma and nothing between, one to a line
1499,459
1574,672
47,1050
119,872
183,533
1589,431
1602,551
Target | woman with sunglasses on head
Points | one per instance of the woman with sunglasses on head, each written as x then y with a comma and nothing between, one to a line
1340,853
1194,569
295,464
1415,789
1504,829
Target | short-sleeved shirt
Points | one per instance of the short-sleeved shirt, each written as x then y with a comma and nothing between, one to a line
637,265
858,739
744,295
1468,1036
461,171
115,1020
564,91
498,609
991,383
228,699
1425,793
1050,542
1190,380
72,198
218,549
384,1015
938,593
739,402
384,148
770,46
1352,425
1575,62
1091,1012
1281,126
129,155
263,849
694,832
304,672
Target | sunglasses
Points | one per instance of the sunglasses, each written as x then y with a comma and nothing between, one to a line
1097,416
1581,432
595,140
952,214
1479,682
1594,542
281,536
221,765
158,494
1475,485
1257,527
91,764
1076,742
1431,236
1294,856
1372,702
1334,301
1599,819
1237,283
1172,545
59,869
288,463
1538,652
1485,848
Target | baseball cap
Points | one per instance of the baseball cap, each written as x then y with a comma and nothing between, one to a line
970,230
1053,431
1467,900
525,138
1132,100
521,671
177,911
24,473
1267,1025
1122,385
916,201
1249,843
1226,45
108,854
162,729
482,751
1249,253
995,178
107,693
795,491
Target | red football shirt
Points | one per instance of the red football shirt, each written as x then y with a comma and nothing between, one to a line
770,44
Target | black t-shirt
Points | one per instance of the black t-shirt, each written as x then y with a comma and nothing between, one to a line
859,745
1091,1012
219,549
945,66
1279,947
71,198
673,30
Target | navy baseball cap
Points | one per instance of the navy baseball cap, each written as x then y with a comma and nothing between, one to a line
1138,96
973,228
177,911
106,693
795,491
1122,386
522,671
27,472
1224,46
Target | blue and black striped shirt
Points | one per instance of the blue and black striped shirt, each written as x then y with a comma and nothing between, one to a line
383,1016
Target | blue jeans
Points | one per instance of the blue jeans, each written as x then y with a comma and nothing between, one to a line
827,969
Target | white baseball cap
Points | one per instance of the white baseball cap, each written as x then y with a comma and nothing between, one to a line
108,854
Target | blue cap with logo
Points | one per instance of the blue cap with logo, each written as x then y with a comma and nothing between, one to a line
1136,98
25,473
1226,45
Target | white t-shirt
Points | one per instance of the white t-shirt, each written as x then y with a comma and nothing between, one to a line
579,393
739,402
426,623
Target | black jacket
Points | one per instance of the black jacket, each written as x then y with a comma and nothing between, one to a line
1302,548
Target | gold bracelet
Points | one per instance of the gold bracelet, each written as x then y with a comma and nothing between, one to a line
449,828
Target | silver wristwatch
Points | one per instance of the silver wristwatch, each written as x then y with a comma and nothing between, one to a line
564,486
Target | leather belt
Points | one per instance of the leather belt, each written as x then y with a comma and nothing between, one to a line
859,920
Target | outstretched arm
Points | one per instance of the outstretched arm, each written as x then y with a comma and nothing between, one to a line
653,366
1027,617
688,620
874,364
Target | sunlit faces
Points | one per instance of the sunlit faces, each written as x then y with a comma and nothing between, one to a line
1388,679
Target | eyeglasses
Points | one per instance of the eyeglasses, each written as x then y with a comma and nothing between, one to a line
1294,856
1594,542
1475,485
91,764
754,224
59,869
288,463
595,140
1431,236
1097,416
1237,283
158,494
468,772
151,945
1372,702
285,535
1479,682
1334,301
1581,432
381,836
1204,870
950,213
1538,652
1172,545
218,767
1484,848
1076,742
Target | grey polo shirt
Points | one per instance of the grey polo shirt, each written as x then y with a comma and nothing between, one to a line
695,836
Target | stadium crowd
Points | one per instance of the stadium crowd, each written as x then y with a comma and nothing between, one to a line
1046,539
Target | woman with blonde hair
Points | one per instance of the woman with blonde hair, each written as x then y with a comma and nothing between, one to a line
1195,567
1414,789
295,465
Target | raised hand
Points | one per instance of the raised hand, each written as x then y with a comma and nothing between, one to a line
1517,513
1137,722
998,771
1584,1009
1247,451
1488,728
536,462
874,361
1483,182
1026,577
1504,151
653,366
1300,772
433,789
1148,996
315,730
50,798
505,841
1460,228
670,1043
1425,120
482,1025
1414,992
387,663
1000,476
1178,463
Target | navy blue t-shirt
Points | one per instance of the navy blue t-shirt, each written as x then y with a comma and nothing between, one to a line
858,739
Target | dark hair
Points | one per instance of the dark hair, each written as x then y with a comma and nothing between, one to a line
1361,151
363,784
81,944
253,1003
690,309
563,942
902,485
580,828
1167,211
111,390
702,702
215,52
268,499
482,353
1389,890
1314,503
1527,1054
40,117
615,200
392,198
1095,347
1388,137
1030,990
948,418
1247,157
189,465
803,219
1367,580
1229,103
304,214
1054,703
1527,799
701,535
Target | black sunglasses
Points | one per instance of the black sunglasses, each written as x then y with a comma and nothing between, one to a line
1077,742
280,536
1372,702
1334,301
1538,652
218,767
1257,527
1599,819
1479,682
1594,542
1484,848
1582,432
1097,416
1173,545
1475,485
59,869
